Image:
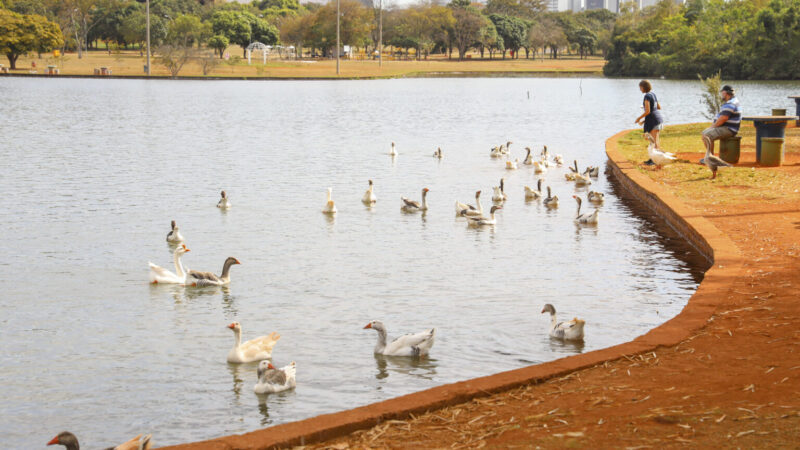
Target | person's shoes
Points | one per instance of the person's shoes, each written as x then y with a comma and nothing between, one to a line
649,162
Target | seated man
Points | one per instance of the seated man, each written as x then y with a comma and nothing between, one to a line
726,123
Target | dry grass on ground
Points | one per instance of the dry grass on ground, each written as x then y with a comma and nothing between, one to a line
129,63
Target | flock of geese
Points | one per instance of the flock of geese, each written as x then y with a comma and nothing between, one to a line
259,349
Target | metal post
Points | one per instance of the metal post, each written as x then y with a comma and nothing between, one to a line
147,13
380,34
338,15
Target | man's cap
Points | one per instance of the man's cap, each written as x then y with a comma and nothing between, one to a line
727,88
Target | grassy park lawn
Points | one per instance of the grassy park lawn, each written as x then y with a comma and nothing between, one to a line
745,182
131,64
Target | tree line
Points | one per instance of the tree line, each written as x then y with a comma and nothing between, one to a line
499,28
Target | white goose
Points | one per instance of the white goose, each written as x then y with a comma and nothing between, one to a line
252,350
587,218
568,331
484,221
558,159
477,212
530,194
369,196
412,206
596,197
539,167
512,165
223,202
496,152
174,235
393,151
592,171
550,201
528,157
659,157
497,195
466,206
159,274
507,148
200,279
582,180
407,345
330,206
272,380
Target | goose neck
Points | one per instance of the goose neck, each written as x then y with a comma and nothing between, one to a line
381,340
226,268
179,270
237,336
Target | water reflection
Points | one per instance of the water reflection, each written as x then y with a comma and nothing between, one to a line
565,347
421,367
263,409
237,371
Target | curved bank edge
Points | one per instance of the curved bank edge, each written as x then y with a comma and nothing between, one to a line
717,247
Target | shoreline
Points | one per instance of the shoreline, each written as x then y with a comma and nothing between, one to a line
697,230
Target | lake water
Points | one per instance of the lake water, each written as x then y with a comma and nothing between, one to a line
94,170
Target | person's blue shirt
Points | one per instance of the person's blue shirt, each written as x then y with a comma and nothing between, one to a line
733,112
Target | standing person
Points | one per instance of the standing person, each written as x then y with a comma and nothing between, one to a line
726,122
651,117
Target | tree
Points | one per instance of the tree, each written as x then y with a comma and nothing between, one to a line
511,29
525,9
234,25
185,30
586,41
264,32
488,38
20,34
174,57
467,29
219,43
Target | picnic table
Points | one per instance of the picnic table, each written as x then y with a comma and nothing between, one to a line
768,126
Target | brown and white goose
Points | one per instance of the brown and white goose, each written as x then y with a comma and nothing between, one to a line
713,163
223,202
485,221
587,218
174,234
69,441
272,380
195,278
418,344
412,206
569,331
530,194
471,211
550,201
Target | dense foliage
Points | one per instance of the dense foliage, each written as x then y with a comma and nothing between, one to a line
744,39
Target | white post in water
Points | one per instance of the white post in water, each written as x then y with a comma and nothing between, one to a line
338,15
147,13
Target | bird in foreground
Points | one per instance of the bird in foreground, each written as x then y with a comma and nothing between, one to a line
174,234
418,344
658,157
200,279
412,206
369,196
550,201
253,350
530,194
569,331
587,218
272,380
595,197
484,221
713,163
223,202
330,206
69,441
159,274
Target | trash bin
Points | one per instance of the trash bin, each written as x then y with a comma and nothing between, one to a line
771,151
729,149
778,111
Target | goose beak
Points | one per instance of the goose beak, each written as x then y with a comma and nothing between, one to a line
237,262
53,441
369,325
270,366
232,326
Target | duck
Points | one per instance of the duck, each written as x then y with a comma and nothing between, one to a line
544,152
200,279
512,165
574,169
497,195
568,331
596,197
471,211
550,201
418,344
507,148
660,158
369,196
252,350
530,194
223,202
570,176
558,159
159,274
485,221
272,380
582,180
496,152
438,153
69,441
592,171
587,218
714,163
539,167
330,206
528,157
502,189
174,235
412,206
393,151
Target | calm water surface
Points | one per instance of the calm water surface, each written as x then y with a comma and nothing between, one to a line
93,171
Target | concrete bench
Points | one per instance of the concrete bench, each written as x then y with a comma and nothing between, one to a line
729,149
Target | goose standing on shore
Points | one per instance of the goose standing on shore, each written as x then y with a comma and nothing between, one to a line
174,235
484,221
660,158
201,279
159,274
530,194
412,206
713,163
253,350
550,201
272,380
223,202
568,331
393,151
369,196
330,206
471,211
418,344
587,218
69,441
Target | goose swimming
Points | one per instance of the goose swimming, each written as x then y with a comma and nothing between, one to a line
393,151
330,206
253,350
200,279
595,197
175,234
587,218
528,157
418,344
412,206
438,153
223,202
484,221
530,194
159,274
69,441
568,331
272,380
550,201
369,196
471,211
512,165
